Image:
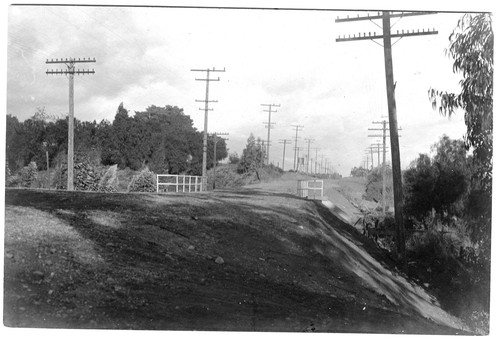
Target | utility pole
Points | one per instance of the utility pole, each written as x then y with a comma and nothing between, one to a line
391,104
370,151
316,161
205,135
308,140
297,127
71,71
377,145
298,149
384,130
216,139
269,105
285,142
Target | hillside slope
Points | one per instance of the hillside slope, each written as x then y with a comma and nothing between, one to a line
226,260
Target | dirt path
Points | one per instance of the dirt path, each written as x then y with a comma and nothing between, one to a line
227,260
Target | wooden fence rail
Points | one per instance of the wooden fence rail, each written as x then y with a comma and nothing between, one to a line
178,183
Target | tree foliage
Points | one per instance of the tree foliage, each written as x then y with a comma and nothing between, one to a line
162,138
253,156
440,183
145,181
471,47
359,172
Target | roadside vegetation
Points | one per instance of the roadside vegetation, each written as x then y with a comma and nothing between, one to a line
448,195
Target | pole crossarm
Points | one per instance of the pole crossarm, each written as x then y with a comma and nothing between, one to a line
381,36
217,79
380,16
73,60
209,70
61,71
381,135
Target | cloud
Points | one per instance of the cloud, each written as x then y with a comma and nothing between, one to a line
145,56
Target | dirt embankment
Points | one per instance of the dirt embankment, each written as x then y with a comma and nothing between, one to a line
241,260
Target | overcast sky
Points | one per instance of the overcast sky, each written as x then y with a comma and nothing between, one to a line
144,57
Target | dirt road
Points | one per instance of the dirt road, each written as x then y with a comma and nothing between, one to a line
246,260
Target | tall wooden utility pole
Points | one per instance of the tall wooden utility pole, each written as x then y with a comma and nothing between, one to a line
71,71
216,139
308,140
384,130
377,146
298,149
391,105
316,161
269,124
369,150
297,127
285,142
205,135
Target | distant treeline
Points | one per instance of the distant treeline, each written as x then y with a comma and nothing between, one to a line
162,138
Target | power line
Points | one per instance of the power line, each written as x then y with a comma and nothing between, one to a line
206,109
269,105
70,71
386,36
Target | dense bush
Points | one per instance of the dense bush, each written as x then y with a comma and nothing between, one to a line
234,158
85,177
29,174
359,172
374,184
145,181
226,177
440,183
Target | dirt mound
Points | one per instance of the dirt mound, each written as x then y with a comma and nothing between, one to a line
227,260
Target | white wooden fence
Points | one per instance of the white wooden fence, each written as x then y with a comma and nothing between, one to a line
311,189
178,183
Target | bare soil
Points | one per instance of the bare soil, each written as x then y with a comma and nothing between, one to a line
253,259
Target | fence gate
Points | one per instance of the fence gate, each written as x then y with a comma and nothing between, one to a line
178,183
311,189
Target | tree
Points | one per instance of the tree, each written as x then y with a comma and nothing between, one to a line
234,158
419,182
440,183
471,47
253,156
359,172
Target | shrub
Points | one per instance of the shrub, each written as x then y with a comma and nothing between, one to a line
85,177
109,181
226,177
374,184
234,158
28,174
145,181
